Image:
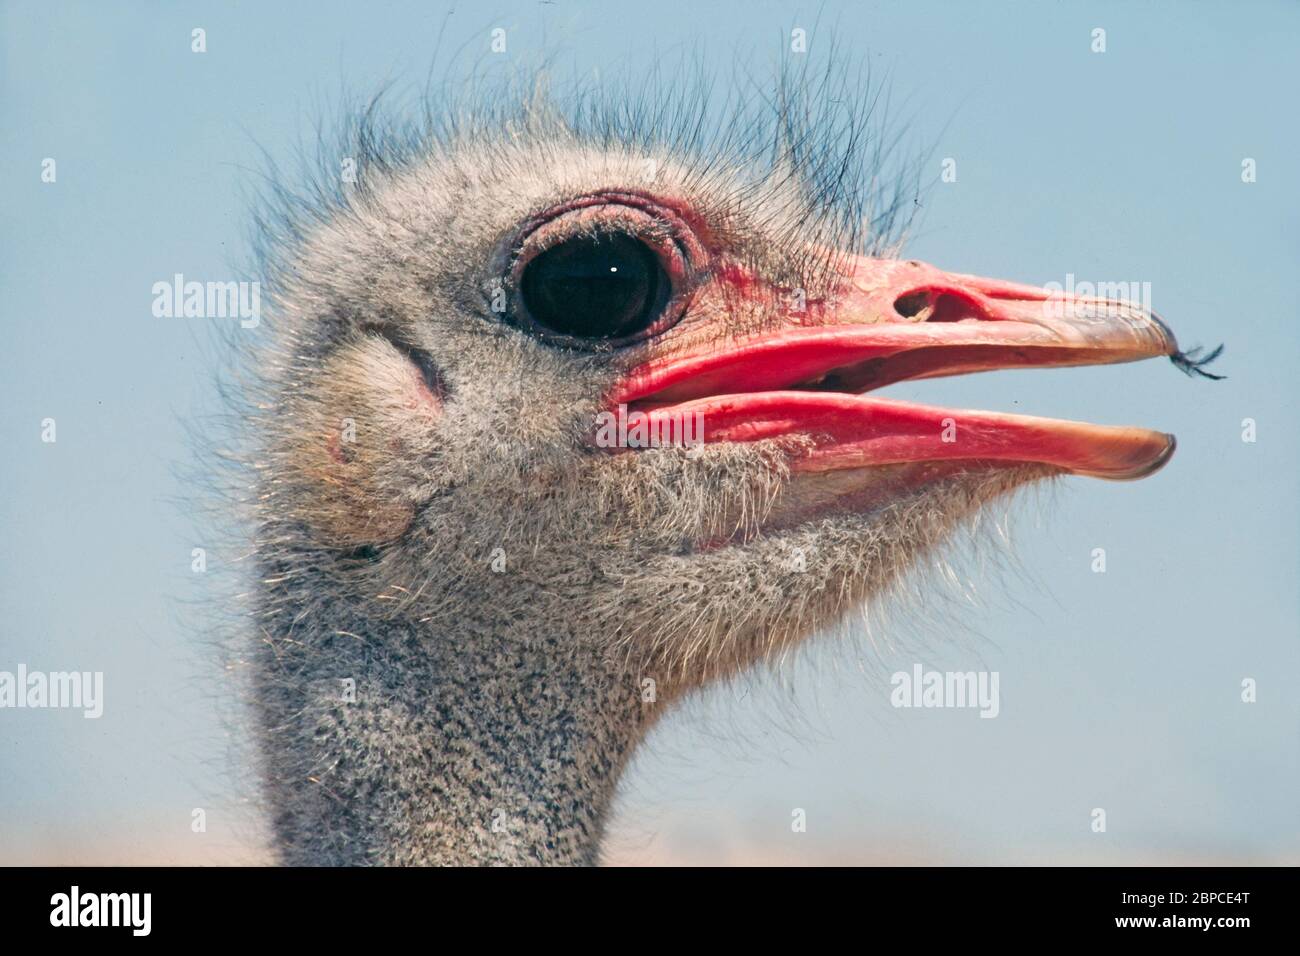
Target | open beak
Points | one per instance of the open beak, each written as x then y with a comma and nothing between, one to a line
894,321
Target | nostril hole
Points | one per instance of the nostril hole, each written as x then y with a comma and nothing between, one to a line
932,305
911,305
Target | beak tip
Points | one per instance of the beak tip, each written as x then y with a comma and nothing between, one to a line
1171,445
1159,461
1170,340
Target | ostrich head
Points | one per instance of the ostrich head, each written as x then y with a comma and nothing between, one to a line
566,416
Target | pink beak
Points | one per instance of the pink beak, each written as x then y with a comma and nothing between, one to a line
897,320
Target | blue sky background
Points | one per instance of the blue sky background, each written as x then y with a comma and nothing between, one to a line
1119,690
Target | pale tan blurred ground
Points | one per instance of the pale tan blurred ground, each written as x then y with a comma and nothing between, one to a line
802,851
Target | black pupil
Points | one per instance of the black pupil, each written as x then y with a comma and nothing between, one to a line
595,287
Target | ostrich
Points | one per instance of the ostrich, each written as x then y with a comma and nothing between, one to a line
470,608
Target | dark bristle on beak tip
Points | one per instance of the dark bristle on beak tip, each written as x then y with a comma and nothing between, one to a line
1191,363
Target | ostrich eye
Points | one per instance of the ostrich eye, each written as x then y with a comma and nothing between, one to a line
596,287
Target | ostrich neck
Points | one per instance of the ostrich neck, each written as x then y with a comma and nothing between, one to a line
392,743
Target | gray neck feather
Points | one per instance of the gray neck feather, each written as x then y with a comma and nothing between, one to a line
384,742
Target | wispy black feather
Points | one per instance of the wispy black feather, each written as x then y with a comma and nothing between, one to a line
1190,362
